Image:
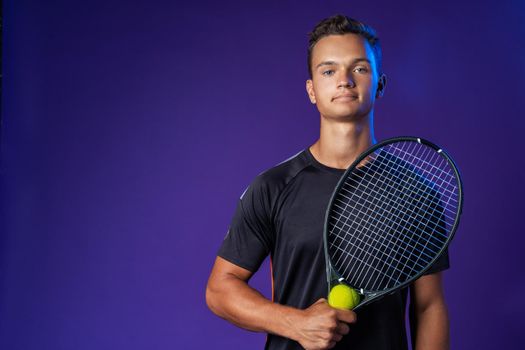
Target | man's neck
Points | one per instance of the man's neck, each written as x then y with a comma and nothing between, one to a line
340,143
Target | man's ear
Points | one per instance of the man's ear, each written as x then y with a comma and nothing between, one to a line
310,90
381,84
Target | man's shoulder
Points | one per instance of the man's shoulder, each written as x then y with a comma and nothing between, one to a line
273,180
286,170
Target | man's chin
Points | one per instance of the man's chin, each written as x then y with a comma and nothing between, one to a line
347,117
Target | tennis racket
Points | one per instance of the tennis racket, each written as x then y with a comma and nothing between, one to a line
391,216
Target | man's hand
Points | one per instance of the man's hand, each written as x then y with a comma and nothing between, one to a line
321,326
229,296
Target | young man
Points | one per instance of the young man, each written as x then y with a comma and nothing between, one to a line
282,214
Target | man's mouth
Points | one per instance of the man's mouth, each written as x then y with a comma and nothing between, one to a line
345,97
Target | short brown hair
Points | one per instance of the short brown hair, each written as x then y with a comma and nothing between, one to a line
339,25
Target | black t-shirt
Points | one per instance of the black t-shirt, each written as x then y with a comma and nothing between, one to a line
282,214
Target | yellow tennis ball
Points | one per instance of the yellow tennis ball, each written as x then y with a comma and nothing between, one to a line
343,297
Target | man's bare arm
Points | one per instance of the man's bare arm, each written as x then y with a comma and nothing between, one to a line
229,296
428,314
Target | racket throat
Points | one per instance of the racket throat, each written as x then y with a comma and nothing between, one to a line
334,279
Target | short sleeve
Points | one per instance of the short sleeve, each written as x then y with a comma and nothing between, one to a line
441,264
251,233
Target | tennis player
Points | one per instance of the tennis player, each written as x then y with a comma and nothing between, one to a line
281,214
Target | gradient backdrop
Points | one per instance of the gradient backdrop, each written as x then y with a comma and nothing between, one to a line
130,129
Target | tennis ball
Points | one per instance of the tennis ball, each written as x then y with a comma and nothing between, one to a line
343,297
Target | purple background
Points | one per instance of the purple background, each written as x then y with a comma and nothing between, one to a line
130,129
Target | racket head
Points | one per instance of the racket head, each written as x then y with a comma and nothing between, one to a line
391,216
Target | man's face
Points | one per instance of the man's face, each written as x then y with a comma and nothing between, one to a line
344,82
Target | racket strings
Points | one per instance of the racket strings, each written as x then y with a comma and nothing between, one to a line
347,199
437,173
384,258
434,178
372,267
374,247
375,192
398,268
395,216
443,176
379,253
374,222
379,232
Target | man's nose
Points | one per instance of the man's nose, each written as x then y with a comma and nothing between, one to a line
346,81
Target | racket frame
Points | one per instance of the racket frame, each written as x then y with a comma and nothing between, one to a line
333,276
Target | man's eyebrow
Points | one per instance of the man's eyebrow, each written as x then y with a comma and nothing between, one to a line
360,59
326,63
334,63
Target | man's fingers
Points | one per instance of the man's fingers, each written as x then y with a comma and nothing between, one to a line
337,337
342,328
331,344
325,325
347,316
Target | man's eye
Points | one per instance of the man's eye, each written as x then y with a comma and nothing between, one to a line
361,70
328,72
